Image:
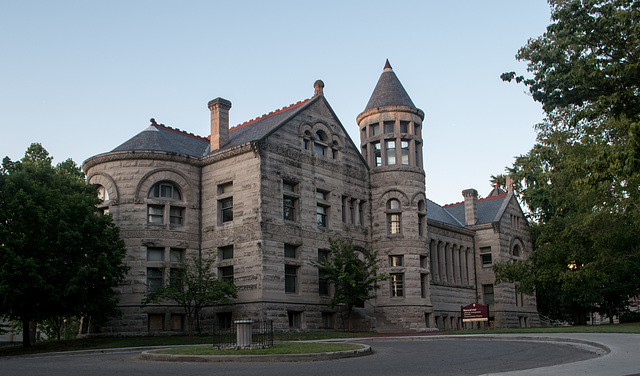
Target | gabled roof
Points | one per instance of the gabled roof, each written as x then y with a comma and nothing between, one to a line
488,209
259,127
389,91
159,137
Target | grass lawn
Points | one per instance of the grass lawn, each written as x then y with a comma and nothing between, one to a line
120,342
278,348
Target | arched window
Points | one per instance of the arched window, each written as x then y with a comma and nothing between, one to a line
158,211
394,217
102,192
320,143
422,218
516,250
165,190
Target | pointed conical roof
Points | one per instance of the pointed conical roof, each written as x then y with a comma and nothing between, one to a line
389,91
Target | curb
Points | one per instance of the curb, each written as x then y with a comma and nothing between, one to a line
364,351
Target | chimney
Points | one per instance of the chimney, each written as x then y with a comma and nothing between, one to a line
509,184
470,212
219,108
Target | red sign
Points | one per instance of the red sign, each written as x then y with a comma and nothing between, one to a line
475,312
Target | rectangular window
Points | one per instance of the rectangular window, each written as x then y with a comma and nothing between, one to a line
361,212
295,319
154,279
290,279
377,154
389,126
397,285
404,152
321,195
156,322
423,285
177,322
421,226
319,148
396,260
226,252
323,283
486,260
352,211
176,254
394,223
226,274
290,250
224,320
175,279
226,209
487,294
344,208
321,216
155,253
327,320
176,215
289,208
155,214
404,126
225,188
390,150
374,129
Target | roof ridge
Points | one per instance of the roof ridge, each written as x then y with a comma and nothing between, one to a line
176,130
286,108
480,199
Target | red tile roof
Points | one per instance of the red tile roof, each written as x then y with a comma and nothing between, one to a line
481,199
294,105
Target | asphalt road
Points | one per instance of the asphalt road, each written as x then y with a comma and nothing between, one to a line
432,357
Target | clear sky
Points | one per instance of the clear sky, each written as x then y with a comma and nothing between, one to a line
82,77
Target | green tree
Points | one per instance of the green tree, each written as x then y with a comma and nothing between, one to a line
354,275
57,257
197,288
580,180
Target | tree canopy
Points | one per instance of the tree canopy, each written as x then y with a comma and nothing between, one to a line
580,180
354,275
58,258
198,287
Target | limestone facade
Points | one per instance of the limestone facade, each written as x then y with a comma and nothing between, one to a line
265,196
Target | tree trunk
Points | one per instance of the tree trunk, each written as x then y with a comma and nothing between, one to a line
26,338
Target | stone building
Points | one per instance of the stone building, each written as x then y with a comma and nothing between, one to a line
265,195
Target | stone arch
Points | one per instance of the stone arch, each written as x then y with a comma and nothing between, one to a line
393,193
517,244
165,174
417,197
105,180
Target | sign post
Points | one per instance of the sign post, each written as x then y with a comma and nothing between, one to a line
475,312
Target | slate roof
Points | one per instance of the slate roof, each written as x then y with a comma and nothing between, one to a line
260,127
487,209
159,137
389,91
438,213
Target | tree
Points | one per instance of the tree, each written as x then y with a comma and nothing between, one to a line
580,180
354,275
57,257
198,287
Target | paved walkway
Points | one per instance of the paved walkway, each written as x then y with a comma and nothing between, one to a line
622,360
621,353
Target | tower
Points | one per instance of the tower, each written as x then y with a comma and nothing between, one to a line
391,142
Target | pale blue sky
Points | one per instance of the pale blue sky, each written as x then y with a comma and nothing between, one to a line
81,77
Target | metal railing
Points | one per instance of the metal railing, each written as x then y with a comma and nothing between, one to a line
229,338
